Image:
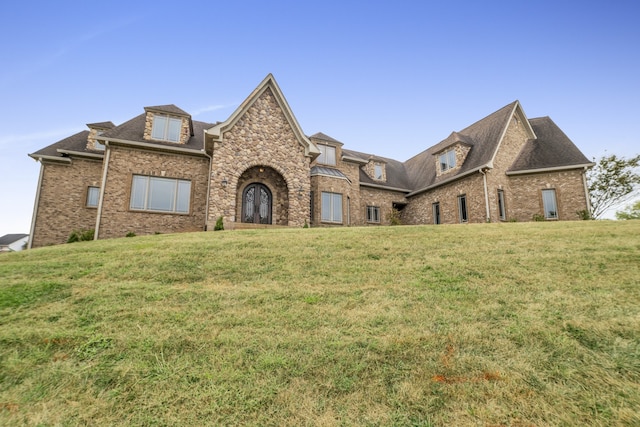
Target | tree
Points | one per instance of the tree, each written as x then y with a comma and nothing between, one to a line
630,212
612,181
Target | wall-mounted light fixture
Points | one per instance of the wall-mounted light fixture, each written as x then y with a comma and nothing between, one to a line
224,182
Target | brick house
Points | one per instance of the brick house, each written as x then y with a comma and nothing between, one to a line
164,172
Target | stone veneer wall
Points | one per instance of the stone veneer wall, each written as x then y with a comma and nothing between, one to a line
62,205
185,130
420,207
117,220
461,154
370,170
381,198
261,137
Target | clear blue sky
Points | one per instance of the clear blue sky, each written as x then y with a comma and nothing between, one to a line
384,77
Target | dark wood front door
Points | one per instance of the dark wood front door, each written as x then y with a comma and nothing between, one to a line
256,204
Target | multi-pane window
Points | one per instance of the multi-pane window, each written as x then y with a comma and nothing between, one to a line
150,193
166,128
502,212
92,197
331,207
448,160
327,155
373,214
550,204
436,213
377,171
462,208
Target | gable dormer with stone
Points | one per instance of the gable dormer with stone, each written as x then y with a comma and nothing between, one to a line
95,130
167,123
452,156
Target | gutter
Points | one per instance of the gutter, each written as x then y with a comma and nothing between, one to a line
453,178
36,203
81,154
102,187
52,158
155,147
383,187
553,169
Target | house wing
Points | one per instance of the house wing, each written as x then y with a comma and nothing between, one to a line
269,83
552,149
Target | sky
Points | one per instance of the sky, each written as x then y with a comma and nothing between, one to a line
389,78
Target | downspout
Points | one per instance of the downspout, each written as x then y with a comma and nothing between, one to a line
36,204
586,190
204,150
486,194
102,187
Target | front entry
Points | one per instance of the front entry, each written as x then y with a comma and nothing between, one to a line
256,204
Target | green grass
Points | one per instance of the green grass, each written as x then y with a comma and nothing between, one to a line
492,325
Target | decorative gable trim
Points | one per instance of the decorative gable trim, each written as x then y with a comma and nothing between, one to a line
269,83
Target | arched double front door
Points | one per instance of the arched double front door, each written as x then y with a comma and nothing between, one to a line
256,204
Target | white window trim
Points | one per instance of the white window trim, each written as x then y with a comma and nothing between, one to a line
147,195
449,162
89,190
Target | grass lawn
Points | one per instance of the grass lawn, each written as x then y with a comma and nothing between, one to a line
518,324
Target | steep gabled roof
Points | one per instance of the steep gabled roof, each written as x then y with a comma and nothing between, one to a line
551,150
76,143
269,83
484,138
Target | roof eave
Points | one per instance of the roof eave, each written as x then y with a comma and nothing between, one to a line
449,180
553,169
40,157
156,147
384,187
354,160
81,154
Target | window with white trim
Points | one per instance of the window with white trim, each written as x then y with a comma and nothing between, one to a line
331,210
327,155
550,204
447,160
502,212
166,128
462,208
93,193
156,194
373,214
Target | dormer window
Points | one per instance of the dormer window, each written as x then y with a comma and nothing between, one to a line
378,172
447,160
99,145
166,128
327,155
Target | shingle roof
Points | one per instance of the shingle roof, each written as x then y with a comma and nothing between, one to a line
395,171
321,170
169,108
76,142
323,137
552,149
101,125
8,239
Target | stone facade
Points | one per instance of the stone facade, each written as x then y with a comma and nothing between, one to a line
62,205
261,137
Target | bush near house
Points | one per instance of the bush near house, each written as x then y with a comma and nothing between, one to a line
494,324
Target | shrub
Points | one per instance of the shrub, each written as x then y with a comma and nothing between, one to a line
80,235
394,217
219,225
584,215
538,217
130,234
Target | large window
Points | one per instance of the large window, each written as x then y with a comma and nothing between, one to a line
549,203
327,155
331,207
502,212
166,128
150,193
92,197
436,213
448,160
373,214
462,208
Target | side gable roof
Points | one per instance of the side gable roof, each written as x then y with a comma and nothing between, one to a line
269,82
551,150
